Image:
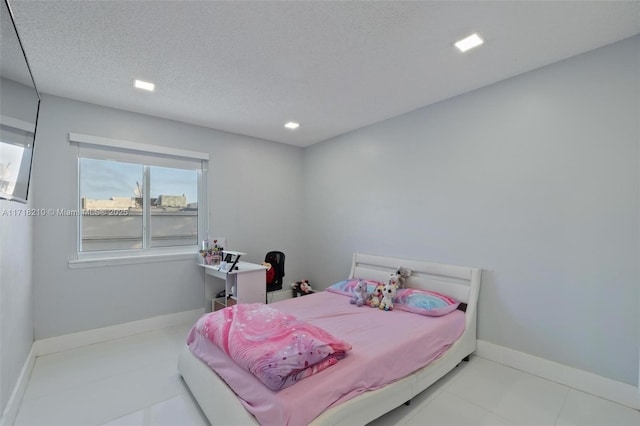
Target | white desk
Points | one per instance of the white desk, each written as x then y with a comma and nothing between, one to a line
249,282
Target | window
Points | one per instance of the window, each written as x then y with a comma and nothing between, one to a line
174,217
111,216
138,199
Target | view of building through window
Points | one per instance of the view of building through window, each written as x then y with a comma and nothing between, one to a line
112,196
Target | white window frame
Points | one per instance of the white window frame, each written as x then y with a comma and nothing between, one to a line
88,146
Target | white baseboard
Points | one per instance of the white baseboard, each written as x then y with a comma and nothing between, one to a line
13,405
89,337
612,390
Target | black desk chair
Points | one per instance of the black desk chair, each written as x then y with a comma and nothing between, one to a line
276,259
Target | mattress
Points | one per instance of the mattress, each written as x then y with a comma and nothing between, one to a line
387,346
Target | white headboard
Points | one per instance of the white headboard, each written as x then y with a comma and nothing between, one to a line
460,282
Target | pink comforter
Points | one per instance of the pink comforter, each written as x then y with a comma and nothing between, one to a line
387,346
276,347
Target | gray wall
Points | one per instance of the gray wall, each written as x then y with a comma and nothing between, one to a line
16,295
534,179
16,261
254,192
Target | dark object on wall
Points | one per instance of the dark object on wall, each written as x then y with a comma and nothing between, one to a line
18,112
276,259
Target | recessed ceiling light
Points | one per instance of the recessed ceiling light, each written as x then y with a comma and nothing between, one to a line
470,42
144,85
292,125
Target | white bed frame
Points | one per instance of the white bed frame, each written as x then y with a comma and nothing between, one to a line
221,406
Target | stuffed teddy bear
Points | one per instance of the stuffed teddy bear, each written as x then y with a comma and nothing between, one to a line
360,294
388,293
375,297
402,274
305,287
302,287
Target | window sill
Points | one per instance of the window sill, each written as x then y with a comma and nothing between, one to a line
131,260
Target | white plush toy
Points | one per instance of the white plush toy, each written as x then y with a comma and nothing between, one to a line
394,279
388,293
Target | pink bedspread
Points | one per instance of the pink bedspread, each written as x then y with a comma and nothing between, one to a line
387,346
274,346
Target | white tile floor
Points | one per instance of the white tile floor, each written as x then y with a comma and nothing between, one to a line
134,381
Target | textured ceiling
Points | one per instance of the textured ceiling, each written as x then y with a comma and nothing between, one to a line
249,67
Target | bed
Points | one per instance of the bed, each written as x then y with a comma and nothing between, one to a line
222,405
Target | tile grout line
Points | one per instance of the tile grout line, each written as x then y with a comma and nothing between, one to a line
515,422
424,404
441,390
85,383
